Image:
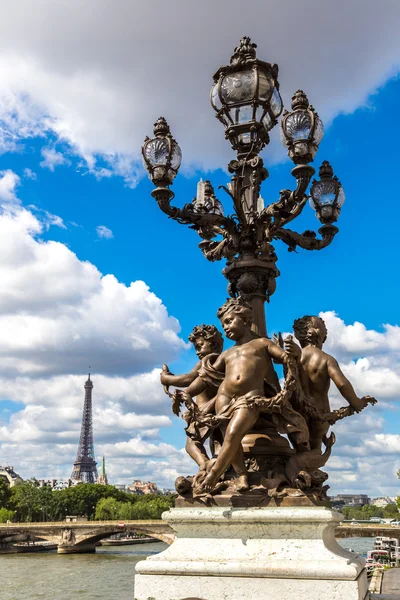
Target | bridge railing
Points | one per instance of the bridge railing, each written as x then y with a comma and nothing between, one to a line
118,523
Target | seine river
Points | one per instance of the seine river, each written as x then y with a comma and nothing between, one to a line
106,575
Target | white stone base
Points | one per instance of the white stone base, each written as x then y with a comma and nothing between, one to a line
252,553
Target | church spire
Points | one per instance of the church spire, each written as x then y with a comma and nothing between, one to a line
102,478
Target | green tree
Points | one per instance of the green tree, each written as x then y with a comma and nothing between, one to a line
5,492
103,502
25,500
151,507
82,499
108,509
6,515
390,511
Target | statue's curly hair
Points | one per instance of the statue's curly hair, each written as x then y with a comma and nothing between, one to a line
237,305
310,330
209,333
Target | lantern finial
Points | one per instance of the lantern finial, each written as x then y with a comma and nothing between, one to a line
244,52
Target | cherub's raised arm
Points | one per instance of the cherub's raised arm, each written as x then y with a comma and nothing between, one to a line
276,352
343,385
183,380
196,387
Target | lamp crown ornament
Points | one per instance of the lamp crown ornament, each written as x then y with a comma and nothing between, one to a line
161,127
299,100
326,171
244,52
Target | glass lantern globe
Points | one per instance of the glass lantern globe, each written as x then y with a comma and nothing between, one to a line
301,130
246,99
162,155
327,195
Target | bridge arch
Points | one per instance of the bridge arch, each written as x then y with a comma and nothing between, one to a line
97,536
69,536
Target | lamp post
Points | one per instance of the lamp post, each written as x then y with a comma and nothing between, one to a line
246,98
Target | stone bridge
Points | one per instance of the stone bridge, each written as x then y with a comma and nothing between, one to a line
374,530
72,538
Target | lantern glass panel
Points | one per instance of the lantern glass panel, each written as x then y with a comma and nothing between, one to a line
276,103
318,130
241,114
238,87
156,151
259,113
298,125
244,138
324,193
340,197
176,156
215,99
282,135
267,122
264,86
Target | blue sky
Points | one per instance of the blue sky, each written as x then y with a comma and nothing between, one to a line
71,129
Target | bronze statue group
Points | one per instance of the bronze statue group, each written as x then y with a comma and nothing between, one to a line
264,440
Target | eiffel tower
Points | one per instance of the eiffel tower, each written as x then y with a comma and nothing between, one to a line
85,465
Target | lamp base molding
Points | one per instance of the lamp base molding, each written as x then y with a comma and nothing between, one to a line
241,553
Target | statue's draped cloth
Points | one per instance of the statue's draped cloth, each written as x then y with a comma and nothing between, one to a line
283,416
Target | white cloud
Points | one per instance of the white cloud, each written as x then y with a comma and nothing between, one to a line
9,181
80,72
29,174
52,158
104,232
369,358
57,315
356,339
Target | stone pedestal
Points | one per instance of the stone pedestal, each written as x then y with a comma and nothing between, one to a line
245,553
88,548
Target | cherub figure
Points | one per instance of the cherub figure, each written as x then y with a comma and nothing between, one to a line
317,369
207,341
241,395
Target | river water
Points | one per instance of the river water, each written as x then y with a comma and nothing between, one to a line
106,575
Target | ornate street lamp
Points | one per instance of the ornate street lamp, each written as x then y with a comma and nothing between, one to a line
327,195
301,130
246,98
162,156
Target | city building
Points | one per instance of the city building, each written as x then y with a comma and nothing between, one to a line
382,501
121,487
355,500
55,484
166,491
142,487
75,519
10,476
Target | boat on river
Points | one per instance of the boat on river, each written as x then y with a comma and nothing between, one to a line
127,541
